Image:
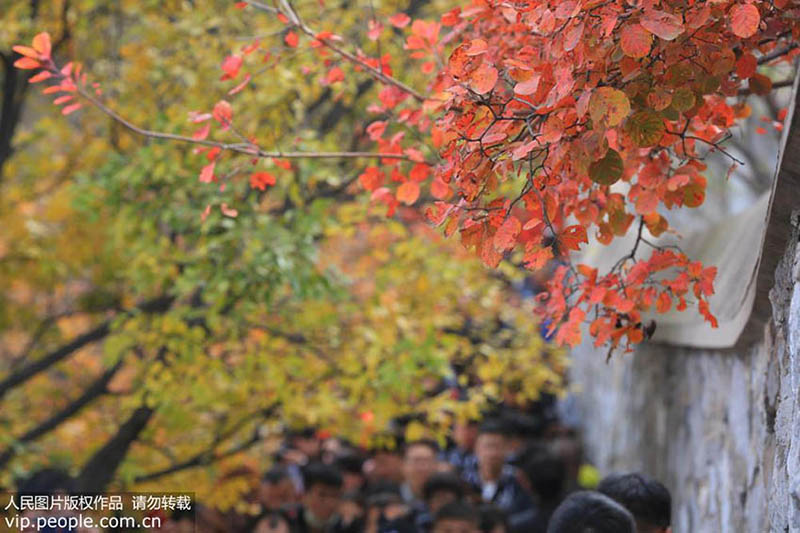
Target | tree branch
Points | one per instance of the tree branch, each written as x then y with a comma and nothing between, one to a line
242,148
94,391
98,472
156,305
294,18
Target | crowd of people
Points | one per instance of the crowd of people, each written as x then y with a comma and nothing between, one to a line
493,477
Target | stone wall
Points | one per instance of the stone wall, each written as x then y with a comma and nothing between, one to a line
720,428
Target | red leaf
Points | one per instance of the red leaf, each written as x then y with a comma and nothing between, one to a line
43,75
746,66
71,109
228,211
334,75
523,150
744,20
207,173
665,25
572,237
419,172
291,39
635,40
371,178
376,129
528,86
223,113
399,20
240,86
261,180
374,30
536,257
230,67
506,236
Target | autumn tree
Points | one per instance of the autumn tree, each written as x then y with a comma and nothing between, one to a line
147,344
539,125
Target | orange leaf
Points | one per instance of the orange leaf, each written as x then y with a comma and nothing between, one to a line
41,43
26,63
408,192
483,79
440,190
664,302
26,51
536,257
371,179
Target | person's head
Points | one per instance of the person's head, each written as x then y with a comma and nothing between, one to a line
590,512
323,488
277,489
419,463
352,468
441,489
464,434
456,517
648,500
351,507
272,522
491,447
492,519
305,441
384,505
386,464
545,473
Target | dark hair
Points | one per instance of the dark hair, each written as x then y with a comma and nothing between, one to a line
457,511
305,432
648,500
496,426
428,443
546,474
491,517
275,475
45,481
590,512
443,482
321,474
350,463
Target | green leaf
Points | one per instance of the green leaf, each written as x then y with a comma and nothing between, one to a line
683,99
645,128
608,170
